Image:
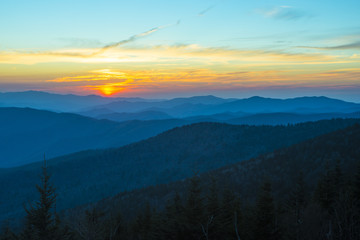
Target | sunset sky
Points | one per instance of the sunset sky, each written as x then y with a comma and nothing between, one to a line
228,48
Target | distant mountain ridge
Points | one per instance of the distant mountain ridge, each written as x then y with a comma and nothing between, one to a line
182,108
177,107
55,102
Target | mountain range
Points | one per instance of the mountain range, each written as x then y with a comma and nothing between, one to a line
55,102
176,154
177,107
38,132
182,109
145,149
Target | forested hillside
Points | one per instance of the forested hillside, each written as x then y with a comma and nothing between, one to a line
307,191
26,134
176,154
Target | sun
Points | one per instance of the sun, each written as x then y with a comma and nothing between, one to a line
108,90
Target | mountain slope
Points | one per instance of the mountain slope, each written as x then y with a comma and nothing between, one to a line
173,155
26,134
244,178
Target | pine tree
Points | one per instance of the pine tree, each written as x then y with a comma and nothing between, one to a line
230,215
211,228
143,224
325,191
338,179
173,226
115,227
356,197
357,187
90,227
194,210
265,214
41,217
296,205
7,233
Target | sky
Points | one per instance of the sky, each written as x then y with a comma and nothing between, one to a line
164,49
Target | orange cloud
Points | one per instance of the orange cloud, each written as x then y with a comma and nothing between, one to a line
178,67
109,82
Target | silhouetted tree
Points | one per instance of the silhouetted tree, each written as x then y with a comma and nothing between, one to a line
230,215
41,217
266,227
194,210
90,228
296,206
174,224
7,233
211,227
357,188
325,191
143,224
115,227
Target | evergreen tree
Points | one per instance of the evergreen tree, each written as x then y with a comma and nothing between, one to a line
7,233
194,210
143,224
325,191
357,187
211,228
28,233
329,194
265,214
90,227
338,180
115,227
356,196
41,217
173,226
296,206
230,215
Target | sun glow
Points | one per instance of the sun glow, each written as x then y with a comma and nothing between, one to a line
108,90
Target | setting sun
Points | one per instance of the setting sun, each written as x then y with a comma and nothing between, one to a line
108,90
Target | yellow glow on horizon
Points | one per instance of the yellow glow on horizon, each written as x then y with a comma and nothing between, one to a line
107,90
109,82
176,68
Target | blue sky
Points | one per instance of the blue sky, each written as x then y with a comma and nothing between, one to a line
166,48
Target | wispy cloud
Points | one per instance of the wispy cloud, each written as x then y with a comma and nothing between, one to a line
129,40
90,53
203,12
95,75
166,54
283,13
354,45
133,38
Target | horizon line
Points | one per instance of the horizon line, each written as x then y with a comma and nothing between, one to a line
176,97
